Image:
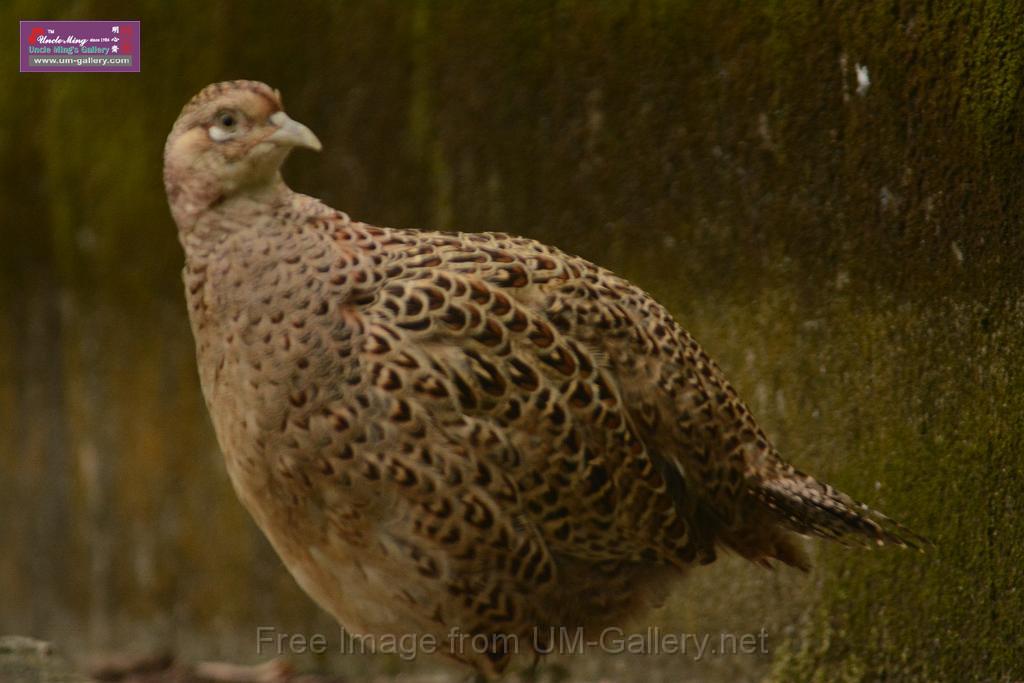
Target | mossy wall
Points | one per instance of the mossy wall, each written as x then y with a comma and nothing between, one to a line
828,195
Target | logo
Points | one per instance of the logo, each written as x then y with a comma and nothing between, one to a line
69,46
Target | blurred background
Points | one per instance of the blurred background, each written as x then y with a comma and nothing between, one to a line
828,195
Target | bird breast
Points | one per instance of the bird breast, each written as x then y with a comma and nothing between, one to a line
273,339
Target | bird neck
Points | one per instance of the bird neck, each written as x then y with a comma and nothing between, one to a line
205,219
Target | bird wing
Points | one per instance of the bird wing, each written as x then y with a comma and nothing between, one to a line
738,488
458,338
626,438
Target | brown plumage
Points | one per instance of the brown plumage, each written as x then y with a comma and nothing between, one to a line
464,431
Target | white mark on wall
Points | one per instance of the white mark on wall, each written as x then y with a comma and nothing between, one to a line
958,253
888,199
863,79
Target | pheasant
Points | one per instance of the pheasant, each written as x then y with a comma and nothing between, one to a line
458,433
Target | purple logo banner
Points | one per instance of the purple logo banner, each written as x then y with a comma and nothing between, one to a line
81,46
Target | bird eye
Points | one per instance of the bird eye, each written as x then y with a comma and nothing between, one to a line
225,125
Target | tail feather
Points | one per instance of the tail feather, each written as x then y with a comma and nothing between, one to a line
809,506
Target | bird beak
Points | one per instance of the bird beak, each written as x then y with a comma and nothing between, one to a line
292,133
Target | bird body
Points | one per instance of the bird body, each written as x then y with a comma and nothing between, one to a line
460,432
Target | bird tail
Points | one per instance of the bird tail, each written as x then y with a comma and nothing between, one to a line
808,506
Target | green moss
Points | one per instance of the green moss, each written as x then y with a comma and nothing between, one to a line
923,414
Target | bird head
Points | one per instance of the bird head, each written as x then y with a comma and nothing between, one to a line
229,140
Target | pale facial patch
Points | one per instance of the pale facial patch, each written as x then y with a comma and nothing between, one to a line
218,134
